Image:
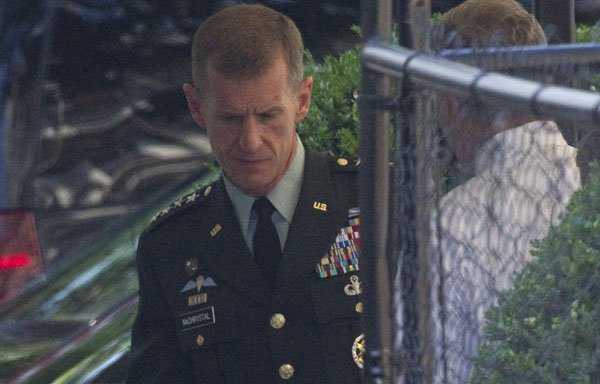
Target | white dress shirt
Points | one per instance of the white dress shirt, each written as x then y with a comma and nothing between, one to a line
482,230
284,198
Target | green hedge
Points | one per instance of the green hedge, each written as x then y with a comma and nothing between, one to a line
587,33
547,328
332,122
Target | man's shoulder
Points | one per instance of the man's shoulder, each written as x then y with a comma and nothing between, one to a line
344,178
342,165
343,171
182,205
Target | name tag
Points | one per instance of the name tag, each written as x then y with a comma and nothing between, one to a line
196,319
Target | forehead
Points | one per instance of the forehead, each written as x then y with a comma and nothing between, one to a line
263,91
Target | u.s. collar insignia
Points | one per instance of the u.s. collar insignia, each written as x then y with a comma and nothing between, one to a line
215,230
191,266
358,351
320,206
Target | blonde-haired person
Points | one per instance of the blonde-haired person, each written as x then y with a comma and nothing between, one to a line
485,24
523,174
237,284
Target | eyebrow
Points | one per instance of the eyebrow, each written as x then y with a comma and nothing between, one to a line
229,112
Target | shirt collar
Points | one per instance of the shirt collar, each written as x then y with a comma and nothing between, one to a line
285,194
518,141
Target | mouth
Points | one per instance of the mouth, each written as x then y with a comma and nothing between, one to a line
251,162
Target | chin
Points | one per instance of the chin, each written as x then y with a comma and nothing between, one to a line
250,185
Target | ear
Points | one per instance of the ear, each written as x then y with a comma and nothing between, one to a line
304,97
194,104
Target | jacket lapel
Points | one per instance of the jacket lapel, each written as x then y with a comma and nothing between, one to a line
316,222
317,219
223,249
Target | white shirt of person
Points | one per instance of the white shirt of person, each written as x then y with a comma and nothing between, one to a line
481,232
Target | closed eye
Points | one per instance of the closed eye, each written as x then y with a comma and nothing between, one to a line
266,116
270,114
231,118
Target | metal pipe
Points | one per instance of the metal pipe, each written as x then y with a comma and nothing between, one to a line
373,200
527,57
411,203
487,87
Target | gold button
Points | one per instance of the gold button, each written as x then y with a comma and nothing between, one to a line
277,321
200,340
286,371
343,162
359,307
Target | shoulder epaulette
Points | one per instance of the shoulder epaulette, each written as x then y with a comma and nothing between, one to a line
180,204
342,164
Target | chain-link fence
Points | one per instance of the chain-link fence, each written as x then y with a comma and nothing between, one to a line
484,159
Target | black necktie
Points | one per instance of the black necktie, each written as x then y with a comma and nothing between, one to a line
267,251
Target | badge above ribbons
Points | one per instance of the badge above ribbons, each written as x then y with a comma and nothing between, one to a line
343,256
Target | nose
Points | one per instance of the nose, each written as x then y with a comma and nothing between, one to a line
250,137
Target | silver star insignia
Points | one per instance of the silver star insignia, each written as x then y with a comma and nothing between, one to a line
191,198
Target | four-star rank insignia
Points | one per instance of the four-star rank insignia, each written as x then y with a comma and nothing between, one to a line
183,201
344,253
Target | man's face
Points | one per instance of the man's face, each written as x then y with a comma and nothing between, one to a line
251,124
463,131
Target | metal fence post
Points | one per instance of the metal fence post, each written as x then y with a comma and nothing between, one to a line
413,198
373,198
558,19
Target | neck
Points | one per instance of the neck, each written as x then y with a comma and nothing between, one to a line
487,129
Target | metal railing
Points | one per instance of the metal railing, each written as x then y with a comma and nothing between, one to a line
527,57
484,86
383,249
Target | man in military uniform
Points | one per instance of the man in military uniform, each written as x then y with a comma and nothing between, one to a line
253,279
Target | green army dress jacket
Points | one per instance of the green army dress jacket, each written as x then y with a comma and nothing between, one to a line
206,314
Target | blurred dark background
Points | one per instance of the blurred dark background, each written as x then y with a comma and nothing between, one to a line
94,122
